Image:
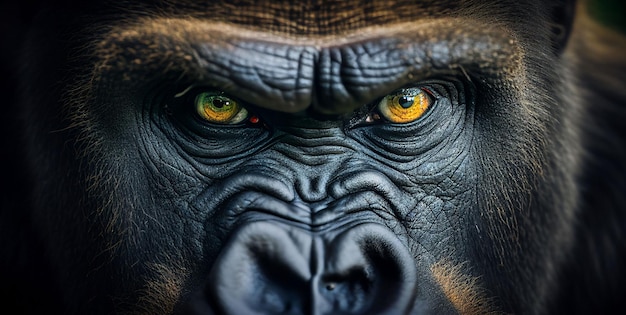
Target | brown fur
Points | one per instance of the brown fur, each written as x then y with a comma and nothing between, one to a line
308,17
160,294
462,290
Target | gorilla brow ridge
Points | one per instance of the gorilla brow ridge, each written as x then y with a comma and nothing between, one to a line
130,51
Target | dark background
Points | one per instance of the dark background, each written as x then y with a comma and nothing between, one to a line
611,13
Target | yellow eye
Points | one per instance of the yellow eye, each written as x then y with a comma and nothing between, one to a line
216,108
406,106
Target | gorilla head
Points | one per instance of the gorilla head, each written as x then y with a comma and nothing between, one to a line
316,157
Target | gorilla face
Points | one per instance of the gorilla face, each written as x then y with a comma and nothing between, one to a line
338,158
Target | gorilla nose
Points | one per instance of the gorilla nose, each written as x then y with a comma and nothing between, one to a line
271,268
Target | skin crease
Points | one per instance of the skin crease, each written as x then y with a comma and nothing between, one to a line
505,196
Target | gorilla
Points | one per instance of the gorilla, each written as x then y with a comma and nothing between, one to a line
312,157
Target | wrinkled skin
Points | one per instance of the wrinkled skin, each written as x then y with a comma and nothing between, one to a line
504,196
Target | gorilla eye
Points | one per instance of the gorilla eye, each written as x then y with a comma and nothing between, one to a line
214,107
405,106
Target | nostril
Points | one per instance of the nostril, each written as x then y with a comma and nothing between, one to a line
368,271
347,292
271,268
263,270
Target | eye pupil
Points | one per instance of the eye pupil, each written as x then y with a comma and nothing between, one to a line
219,103
406,101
